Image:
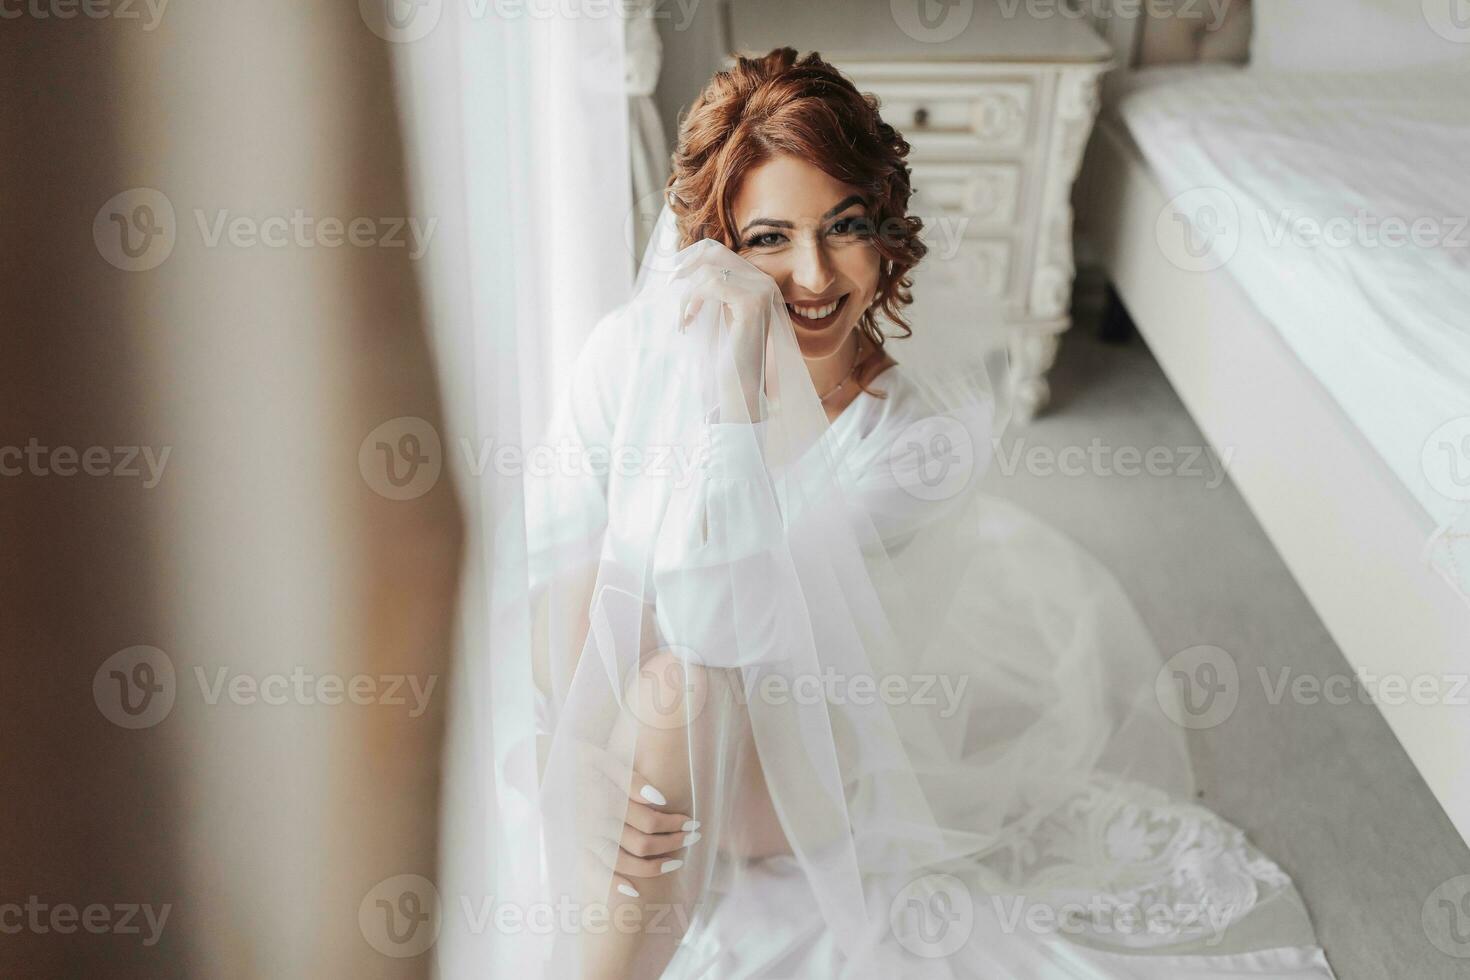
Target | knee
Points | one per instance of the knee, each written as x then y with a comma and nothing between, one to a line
667,692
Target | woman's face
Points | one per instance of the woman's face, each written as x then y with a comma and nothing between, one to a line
810,232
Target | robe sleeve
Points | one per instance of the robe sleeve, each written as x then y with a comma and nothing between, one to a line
723,578
566,474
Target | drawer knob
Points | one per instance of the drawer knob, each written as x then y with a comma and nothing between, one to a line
921,117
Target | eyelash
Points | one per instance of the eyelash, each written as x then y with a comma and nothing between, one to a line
861,229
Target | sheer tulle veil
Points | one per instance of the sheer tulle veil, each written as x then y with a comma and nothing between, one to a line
944,705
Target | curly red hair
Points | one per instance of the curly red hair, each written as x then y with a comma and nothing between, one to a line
779,104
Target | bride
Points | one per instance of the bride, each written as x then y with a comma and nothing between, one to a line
807,703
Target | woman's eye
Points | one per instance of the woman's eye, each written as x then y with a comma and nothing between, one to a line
768,239
858,226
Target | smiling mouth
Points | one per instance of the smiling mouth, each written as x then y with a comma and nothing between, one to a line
815,316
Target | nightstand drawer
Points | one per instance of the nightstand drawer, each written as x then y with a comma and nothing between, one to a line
958,118
971,195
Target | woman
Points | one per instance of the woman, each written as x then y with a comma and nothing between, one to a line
808,704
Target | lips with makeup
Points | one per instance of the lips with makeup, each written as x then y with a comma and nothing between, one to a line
817,315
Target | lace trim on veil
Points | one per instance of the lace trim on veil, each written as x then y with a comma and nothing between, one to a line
1126,865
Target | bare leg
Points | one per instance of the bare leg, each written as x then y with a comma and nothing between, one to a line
690,738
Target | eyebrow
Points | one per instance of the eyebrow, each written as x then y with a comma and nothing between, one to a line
833,212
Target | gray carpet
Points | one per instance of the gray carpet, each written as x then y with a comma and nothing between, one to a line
1324,789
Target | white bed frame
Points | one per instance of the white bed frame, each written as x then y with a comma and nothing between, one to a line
1349,531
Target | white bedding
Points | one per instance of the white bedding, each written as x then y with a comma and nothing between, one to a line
1385,328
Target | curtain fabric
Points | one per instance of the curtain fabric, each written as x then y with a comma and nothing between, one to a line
517,133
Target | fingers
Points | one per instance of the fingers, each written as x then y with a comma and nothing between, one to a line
707,285
643,817
636,867
740,295
690,312
640,845
642,789
653,855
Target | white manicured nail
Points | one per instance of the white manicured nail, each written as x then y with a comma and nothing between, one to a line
653,796
692,838
627,889
690,825
668,866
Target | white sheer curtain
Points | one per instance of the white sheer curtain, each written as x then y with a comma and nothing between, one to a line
649,144
517,140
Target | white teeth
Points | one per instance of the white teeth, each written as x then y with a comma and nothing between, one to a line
813,312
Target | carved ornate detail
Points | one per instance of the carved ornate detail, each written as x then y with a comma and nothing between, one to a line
999,117
992,194
1000,113
1032,355
1076,105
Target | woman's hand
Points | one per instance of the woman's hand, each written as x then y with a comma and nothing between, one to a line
747,299
650,839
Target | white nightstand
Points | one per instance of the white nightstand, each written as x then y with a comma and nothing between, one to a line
997,103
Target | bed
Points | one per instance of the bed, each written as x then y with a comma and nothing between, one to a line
1239,215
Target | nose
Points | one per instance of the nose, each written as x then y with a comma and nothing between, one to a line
812,270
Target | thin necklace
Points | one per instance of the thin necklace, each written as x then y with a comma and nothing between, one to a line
851,371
